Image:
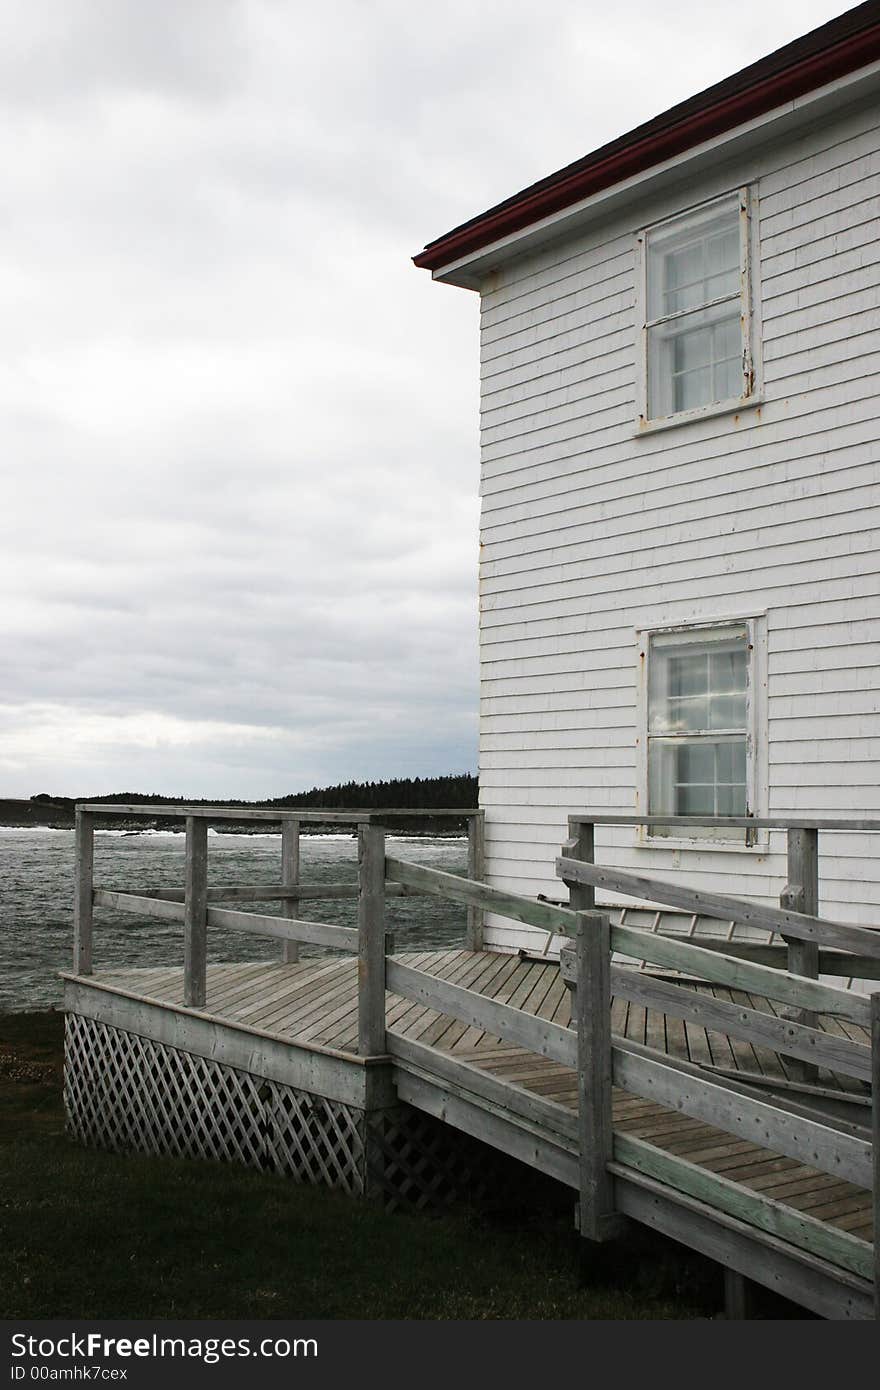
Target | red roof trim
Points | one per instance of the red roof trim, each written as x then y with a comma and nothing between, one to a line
665,137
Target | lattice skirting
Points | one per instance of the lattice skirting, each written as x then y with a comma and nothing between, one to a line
129,1093
416,1161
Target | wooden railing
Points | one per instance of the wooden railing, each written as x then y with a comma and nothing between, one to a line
813,944
192,904
788,1126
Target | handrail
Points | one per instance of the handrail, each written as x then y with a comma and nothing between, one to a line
817,930
180,811
692,958
272,892
813,1141
730,822
506,1021
560,920
285,928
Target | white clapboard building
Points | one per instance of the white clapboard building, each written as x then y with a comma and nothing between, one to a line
680,523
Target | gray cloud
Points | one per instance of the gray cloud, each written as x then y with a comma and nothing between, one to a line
238,431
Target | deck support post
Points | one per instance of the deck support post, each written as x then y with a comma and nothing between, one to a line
737,1296
476,864
875,1119
83,875
290,879
195,921
801,894
592,1005
371,940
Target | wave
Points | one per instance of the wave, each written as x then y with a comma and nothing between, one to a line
36,829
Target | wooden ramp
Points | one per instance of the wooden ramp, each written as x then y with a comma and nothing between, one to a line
712,1085
805,1232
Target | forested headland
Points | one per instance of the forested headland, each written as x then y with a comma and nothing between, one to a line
455,791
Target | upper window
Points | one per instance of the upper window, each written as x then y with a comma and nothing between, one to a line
696,326
699,730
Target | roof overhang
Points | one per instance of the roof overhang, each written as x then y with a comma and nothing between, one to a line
637,166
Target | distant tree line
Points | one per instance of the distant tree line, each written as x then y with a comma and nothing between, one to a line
452,792
458,790
455,790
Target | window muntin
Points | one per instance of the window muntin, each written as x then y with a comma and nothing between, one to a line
699,720
697,322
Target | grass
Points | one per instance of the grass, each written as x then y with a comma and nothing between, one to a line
90,1234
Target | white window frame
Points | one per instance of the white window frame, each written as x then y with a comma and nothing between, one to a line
751,394
704,837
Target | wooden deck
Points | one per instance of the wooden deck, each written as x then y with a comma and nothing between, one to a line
712,1085
315,1004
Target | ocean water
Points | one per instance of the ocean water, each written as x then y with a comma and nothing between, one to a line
36,897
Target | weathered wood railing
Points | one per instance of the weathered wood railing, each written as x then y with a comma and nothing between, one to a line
192,905
785,1127
813,944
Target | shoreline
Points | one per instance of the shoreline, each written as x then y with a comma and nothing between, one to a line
46,814
313,829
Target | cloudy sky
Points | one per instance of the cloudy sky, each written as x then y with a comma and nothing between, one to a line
238,430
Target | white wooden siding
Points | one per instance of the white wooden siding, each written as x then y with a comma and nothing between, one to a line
589,533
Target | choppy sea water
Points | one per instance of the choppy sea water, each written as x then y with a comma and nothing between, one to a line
36,897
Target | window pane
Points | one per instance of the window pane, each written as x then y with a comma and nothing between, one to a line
729,380
691,350
694,260
689,675
727,362
687,716
683,271
697,777
695,800
696,762
731,801
698,684
727,712
692,389
661,778
695,360
723,269
731,761
728,670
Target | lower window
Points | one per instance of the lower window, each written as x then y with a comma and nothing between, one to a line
699,725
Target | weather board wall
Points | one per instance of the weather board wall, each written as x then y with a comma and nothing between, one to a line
596,532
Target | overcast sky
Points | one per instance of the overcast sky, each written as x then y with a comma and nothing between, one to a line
238,429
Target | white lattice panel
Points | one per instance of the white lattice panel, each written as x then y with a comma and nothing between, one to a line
316,1140
125,1092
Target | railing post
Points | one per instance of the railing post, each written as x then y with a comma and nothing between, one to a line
592,1002
581,844
290,879
801,894
83,882
195,920
475,869
875,1109
371,940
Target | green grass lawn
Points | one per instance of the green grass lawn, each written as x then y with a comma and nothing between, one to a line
90,1234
